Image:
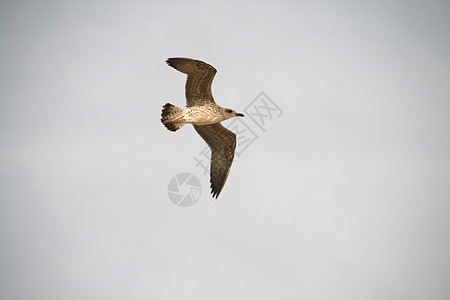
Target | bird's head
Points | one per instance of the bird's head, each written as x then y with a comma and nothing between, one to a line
229,113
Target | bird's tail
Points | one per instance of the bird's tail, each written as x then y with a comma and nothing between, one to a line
169,115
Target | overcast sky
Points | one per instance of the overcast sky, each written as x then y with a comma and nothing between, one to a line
344,194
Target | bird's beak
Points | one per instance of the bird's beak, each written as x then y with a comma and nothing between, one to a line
239,115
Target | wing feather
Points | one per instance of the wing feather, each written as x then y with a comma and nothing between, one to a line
222,143
200,76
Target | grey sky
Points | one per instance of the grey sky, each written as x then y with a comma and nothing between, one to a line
345,196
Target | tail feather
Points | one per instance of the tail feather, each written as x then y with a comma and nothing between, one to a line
169,113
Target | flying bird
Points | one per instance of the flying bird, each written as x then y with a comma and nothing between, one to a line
205,115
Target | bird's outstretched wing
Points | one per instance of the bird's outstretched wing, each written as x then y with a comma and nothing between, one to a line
222,143
199,79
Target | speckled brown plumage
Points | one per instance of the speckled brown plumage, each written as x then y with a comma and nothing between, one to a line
199,80
205,115
222,143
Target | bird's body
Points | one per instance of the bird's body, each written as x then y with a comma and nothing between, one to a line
205,115
201,115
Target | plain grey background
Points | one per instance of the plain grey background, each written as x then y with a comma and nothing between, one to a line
345,196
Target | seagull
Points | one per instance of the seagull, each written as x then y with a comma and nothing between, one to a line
205,115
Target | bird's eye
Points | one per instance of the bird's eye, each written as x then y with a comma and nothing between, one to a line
228,111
